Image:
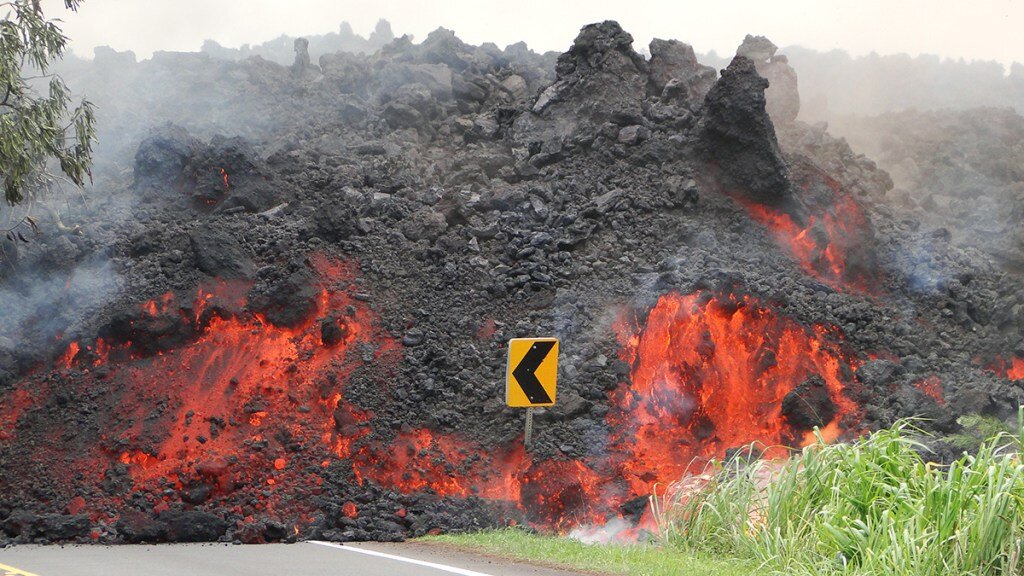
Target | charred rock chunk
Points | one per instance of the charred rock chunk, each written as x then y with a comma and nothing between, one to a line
286,297
219,254
52,527
879,375
674,62
332,331
254,196
413,106
808,405
147,334
135,526
600,80
193,526
737,135
424,224
335,221
162,158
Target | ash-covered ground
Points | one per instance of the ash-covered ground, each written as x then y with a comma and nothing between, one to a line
281,311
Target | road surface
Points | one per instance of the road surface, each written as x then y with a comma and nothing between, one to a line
303,559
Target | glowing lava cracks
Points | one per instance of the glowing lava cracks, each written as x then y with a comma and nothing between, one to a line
834,245
245,407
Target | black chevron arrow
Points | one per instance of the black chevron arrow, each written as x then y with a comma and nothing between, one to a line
524,372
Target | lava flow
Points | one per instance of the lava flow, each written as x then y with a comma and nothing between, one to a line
932,387
1016,370
711,373
833,244
206,399
242,410
1012,369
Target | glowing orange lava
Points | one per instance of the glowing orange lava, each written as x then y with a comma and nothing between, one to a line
709,374
830,244
68,356
1016,369
1012,369
932,386
241,404
224,176
445,464
229,406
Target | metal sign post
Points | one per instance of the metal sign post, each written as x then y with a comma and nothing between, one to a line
529,427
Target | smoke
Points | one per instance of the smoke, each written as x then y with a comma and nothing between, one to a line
614,530
833,84
40,309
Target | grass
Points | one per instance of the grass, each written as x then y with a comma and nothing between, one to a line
634,560
875,506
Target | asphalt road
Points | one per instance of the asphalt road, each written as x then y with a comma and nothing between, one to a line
303,559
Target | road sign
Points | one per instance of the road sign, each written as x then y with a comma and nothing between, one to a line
532,372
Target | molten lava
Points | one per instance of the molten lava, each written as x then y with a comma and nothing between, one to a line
1012,369
1015,370
444,464
224,176
932,387
711,373
226,408
832,245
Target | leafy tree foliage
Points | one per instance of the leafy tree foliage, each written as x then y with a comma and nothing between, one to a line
37,125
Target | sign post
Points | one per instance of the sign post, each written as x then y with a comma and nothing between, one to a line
531,376
529,427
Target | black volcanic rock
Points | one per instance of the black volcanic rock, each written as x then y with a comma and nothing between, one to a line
162,157
285,295
27,526
674,66
135,527
601,82
808,405
736,135
219,254
193,526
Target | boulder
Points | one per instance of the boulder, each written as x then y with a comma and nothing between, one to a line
219,253
600,80
672,60
193,526
736,135
808,405
162,158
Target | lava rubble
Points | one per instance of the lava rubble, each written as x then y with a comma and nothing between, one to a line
297,331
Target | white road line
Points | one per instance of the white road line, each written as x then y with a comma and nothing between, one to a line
441,567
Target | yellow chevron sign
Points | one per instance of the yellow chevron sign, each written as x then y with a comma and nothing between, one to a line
531,376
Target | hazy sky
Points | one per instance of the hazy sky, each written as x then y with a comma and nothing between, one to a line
981,29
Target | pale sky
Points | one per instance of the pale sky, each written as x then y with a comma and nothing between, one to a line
980,29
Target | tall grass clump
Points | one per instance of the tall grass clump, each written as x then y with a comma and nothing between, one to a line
874,506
